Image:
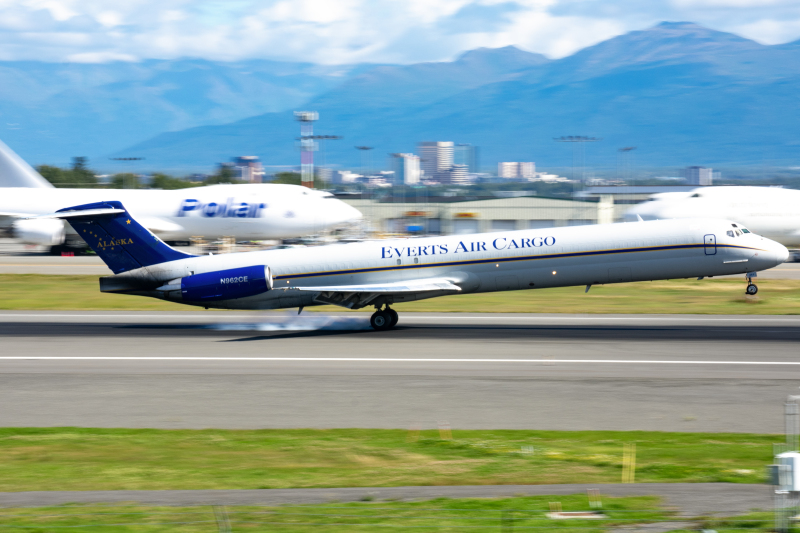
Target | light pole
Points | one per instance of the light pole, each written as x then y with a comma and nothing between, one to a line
625,157
578,151
364,157
323,138
126,159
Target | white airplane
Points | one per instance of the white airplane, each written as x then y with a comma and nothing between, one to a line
382,273
769,211
245,212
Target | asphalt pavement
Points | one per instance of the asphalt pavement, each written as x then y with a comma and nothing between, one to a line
527,371
691,499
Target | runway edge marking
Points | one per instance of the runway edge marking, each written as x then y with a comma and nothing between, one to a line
394,360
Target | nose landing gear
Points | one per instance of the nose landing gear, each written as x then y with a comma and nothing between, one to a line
751,287
383,320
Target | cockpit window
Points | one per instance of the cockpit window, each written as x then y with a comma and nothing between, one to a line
730,233
738,233
745,230
695,195
734,225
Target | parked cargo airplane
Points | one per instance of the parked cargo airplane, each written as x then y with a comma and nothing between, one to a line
381,273
769,211
245,212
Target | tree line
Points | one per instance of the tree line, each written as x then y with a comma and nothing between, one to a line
80,176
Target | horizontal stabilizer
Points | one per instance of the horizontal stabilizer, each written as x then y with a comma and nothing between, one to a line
81,213
14,214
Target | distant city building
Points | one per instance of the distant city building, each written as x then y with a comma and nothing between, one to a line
514,170
406,171
507,170
345,176
324,174
435,157
527,170
467,154
248,168
699,176
458,175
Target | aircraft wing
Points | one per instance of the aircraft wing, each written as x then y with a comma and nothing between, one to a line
357,296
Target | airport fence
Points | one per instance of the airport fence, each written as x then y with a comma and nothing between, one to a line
369,517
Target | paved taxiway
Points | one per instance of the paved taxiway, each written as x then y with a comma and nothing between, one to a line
234,370
691,499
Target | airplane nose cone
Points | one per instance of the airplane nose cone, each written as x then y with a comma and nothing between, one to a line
350,213
781,253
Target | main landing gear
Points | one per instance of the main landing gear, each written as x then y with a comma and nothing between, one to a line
383,320
751,287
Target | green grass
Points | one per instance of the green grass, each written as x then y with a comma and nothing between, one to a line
711,296
115,459
479,515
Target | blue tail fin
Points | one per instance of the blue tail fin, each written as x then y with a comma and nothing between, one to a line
121,242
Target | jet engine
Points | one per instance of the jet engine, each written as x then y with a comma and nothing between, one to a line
220,285
44,231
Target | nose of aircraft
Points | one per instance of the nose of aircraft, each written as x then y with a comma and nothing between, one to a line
341,212
336,212
781,252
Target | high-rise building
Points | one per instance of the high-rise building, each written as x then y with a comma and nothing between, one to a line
458,175
435,157
515,170
699,175
507,170
406,169
527,170
467,154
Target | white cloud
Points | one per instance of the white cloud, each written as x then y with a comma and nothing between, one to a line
99,57
343,31
695,4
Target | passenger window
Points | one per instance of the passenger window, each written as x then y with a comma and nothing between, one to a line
730,233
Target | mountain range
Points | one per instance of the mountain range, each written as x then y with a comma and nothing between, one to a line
681,93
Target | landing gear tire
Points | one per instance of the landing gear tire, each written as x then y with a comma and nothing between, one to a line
380,321
393,316
751,289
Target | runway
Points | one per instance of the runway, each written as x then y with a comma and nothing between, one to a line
234,370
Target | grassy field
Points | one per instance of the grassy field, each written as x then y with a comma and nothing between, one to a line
114,459
479,515
710,296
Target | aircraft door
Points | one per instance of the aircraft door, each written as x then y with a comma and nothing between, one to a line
711,244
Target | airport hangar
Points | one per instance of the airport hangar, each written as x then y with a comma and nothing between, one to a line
459,215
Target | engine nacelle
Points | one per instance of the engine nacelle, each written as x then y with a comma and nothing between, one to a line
44,231
226,284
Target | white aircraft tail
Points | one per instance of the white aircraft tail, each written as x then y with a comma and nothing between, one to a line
14,172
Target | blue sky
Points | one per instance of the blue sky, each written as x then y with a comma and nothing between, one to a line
348,31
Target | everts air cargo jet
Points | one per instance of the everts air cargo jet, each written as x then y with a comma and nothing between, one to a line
385,272
245,212
769,211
